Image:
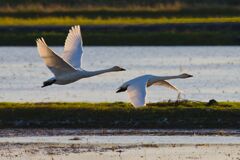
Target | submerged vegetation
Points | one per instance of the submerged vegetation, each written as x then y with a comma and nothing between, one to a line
121,115
126,37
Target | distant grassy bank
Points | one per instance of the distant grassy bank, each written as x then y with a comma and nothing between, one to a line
177,7
56,21
95,13
121,115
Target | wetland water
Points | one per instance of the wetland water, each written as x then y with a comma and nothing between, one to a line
120,136
115,144
126,139
215,69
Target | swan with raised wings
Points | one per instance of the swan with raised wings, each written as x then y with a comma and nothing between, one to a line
67,68
136,88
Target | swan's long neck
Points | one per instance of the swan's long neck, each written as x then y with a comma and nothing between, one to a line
155,79
167,77
94,73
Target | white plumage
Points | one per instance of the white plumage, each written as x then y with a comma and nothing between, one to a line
136,88
73,49
67,69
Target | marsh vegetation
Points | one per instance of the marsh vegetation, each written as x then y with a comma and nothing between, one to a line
119,13
184,114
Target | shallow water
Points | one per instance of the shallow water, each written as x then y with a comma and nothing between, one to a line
145,139
215,70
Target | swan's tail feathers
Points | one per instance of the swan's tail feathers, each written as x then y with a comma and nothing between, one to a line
48,82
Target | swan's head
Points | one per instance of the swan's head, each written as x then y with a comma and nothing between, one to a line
185,75
117,68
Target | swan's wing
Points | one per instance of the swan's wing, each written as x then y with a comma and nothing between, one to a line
168,85
55,63
73,49
137,93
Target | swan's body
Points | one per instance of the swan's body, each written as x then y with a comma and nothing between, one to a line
136,88
67,69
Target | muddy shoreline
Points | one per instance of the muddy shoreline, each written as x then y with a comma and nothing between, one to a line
112,144
103,132
45,151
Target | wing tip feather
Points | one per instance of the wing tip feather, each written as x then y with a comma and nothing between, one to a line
41,41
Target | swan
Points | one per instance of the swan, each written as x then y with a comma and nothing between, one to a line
67,68
136,88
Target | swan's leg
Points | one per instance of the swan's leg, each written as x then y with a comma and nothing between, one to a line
48,82
179,96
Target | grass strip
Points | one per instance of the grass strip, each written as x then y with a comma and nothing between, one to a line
41,21
185,114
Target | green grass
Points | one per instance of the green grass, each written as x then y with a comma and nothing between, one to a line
121,115
45,21
119,13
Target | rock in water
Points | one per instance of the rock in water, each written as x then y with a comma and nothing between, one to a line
212,102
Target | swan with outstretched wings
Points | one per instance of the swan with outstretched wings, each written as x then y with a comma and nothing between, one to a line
67,68
136,88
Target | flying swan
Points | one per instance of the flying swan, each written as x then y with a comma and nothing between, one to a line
136,88
67,68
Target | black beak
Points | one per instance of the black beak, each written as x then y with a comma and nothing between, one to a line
121,90
190,75
122,69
